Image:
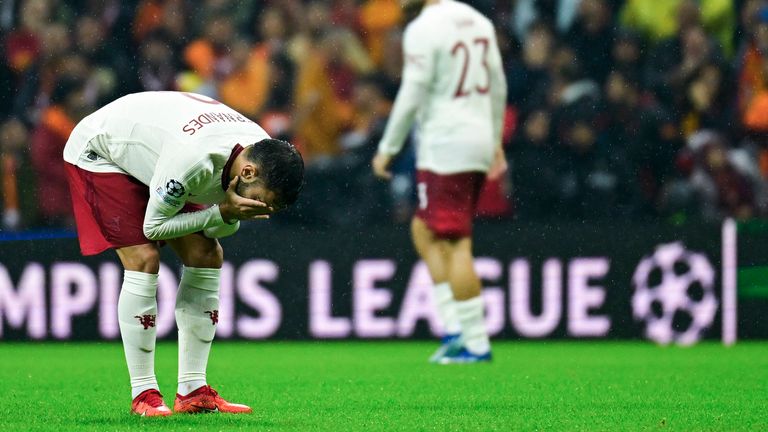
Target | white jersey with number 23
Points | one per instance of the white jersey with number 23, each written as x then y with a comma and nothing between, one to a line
451,50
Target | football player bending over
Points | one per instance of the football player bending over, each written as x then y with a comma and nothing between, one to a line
181,169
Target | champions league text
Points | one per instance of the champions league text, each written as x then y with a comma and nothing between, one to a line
571,294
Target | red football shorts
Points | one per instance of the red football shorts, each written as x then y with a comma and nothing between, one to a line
447,202
109,209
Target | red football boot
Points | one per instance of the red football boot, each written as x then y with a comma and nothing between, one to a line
149,403
207,400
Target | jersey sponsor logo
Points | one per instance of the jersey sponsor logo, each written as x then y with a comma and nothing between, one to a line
214,316
146,320
174,188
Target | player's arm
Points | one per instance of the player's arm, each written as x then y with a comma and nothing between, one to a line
168,195
498,91
498,83
400,122
417,76
221,231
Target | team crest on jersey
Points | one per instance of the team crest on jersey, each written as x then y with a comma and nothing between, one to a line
174,188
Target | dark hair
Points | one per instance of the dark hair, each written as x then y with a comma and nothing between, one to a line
281,167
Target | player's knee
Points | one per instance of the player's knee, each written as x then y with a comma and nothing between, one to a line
142,258
460,245
454,247
421,235
209,256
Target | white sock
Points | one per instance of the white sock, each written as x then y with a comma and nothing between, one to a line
197,312
446,308
137,312
474,334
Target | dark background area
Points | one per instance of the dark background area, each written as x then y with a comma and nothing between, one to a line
634,110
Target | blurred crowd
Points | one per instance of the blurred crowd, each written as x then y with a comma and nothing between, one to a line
633,109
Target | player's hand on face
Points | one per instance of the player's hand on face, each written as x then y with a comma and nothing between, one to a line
381,164
236,207
499,166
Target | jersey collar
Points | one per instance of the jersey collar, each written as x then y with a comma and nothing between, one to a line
228,166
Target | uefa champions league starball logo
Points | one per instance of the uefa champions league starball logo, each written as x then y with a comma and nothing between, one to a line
175,189
674,294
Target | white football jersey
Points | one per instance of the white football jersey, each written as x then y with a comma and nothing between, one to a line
451,48
176,143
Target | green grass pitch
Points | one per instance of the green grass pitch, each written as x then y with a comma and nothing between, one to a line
340,386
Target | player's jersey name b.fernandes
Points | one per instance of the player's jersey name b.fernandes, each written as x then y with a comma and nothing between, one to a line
200,121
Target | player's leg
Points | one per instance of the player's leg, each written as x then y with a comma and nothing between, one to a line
462,276
434,253
109,213
435,256
450,207
197,306
137,313
197,313
469,302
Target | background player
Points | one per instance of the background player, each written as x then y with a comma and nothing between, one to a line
184,169
454,86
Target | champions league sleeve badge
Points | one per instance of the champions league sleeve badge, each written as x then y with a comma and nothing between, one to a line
174,188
